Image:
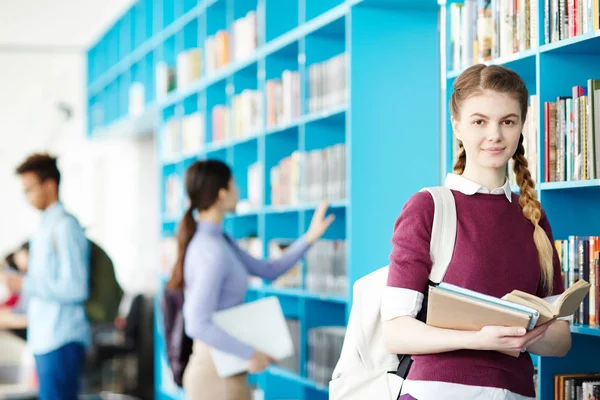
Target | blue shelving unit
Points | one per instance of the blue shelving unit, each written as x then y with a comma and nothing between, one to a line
388,123
549,70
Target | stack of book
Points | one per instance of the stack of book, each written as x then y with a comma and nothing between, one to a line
221,127
454,307
326,268
327,83
325,177
482,30
572,135
192,133
189,68
283,99
246,113
580,259
285,180
244,36
216,48
324,349
565,19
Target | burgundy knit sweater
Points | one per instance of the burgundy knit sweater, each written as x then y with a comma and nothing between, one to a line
494,254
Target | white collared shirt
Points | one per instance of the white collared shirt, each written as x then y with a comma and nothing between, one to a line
468,187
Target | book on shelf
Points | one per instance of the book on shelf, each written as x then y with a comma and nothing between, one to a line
166,79
244,35
530,142
580,259
292,363
565,19
216,48
327,83
577,386
246,113
293,277
188,67
324,349
326,268
171,144
454,307
283,99
255,184
572,135
221,126
192,133
483,30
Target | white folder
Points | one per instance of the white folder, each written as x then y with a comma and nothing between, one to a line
260,324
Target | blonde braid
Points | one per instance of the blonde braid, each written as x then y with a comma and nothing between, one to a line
532,209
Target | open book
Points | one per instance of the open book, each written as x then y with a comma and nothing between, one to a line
558,306
453,307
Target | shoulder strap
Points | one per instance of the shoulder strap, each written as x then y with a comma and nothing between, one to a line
443,232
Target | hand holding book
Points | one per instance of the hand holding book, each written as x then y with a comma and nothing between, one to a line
453,307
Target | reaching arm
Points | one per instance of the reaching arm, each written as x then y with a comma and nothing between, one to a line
271,269
70,283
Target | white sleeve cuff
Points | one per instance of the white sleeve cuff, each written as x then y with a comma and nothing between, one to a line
398,302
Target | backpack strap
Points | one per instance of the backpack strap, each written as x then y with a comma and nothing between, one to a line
443,232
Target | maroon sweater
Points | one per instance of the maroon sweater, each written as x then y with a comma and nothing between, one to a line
494,254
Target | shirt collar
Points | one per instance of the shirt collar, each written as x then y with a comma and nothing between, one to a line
54,209
209,227
468,187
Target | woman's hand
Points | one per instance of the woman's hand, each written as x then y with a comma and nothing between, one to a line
503,338
259,362
319,223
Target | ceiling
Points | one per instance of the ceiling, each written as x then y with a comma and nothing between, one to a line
55,25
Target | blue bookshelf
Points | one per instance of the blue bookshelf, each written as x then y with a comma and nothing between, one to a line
549,70
388,123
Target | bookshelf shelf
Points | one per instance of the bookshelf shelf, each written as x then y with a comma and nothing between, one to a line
585,330
550,71
583,184
278,371
300,112
588,43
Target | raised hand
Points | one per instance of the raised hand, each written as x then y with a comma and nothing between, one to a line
319,223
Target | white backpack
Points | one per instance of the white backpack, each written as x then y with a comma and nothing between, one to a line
366,370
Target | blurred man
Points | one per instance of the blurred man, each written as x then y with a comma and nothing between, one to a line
56,284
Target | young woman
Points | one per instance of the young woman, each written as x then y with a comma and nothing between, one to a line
503,242
214,271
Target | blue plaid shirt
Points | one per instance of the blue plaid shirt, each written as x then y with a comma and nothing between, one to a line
57,283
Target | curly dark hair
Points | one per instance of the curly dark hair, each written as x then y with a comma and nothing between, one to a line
41,164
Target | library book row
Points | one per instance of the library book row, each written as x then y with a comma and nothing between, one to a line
300,178
483,30
243,115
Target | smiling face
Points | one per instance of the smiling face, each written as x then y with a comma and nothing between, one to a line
489,125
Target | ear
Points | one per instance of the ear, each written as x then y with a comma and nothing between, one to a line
455,127
222,194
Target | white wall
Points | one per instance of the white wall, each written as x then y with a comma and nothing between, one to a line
111,186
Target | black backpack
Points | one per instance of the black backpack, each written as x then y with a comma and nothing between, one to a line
179,345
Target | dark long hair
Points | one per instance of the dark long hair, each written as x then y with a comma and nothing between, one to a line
203,181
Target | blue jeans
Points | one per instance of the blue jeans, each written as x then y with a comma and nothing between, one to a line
59,372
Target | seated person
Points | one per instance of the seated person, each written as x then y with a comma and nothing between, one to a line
13,309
